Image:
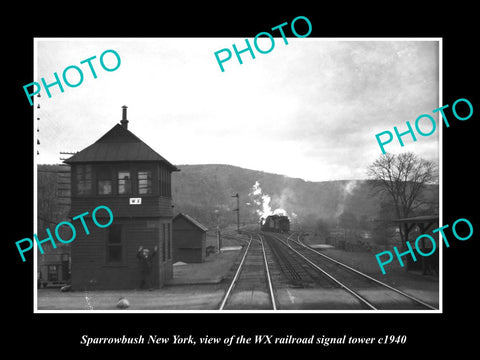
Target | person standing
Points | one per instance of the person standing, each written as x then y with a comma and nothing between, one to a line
145,260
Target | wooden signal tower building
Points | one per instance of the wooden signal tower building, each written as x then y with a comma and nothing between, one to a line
122,172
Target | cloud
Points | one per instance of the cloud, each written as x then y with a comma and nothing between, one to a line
319,102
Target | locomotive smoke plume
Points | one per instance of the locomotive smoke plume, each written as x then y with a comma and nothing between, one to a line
285,199
347,191
263,202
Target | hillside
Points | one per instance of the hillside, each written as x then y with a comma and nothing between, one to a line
204,191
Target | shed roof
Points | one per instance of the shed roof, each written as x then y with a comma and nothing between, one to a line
118,144
191,220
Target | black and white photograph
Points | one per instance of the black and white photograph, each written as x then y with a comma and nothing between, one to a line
251,189
231,181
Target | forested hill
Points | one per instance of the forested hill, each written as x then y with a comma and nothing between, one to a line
205,192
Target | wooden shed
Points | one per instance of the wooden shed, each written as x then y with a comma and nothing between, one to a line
189,239
122,172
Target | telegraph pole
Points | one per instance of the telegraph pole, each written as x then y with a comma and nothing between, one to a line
238,211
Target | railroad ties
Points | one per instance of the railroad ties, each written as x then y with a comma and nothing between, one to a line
368,293
276,272
251,286
379,295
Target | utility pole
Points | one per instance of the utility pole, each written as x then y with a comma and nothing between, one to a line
238,211
219,239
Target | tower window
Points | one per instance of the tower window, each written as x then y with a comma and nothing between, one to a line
164,182
83,176
124,182
104,181
144,182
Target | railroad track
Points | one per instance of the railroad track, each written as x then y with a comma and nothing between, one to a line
251,286
371,294
295,272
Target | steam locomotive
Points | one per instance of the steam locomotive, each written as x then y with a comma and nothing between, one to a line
276,223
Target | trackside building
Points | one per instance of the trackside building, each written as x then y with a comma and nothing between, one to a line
189,239
123,173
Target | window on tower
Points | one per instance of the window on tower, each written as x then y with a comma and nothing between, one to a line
104,181
124,183
164,182
83,177
144,182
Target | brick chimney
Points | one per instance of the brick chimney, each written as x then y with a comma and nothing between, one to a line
124,120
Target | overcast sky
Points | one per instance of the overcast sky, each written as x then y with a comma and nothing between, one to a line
309,109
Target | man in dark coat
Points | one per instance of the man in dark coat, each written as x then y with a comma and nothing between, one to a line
145,261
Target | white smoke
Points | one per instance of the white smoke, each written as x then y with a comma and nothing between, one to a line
347,191
285,197
280,212
263,202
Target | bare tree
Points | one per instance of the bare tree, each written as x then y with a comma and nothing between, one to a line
403,177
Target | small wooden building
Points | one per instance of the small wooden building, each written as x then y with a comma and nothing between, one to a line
120,171
53,268
189,239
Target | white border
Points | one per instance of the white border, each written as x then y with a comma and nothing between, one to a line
35,184
440,155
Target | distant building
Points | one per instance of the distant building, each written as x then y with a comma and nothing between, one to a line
189,239
120,171
53,268
53,206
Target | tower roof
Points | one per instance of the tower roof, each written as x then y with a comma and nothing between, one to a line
118,144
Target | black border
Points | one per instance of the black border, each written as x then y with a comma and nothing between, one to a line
426,333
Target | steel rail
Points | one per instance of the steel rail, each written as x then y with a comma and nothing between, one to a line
366,276
316,267
270,287
237,273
